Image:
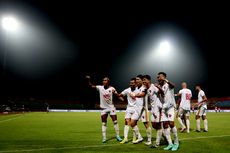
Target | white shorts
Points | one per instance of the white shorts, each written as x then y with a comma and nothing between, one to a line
155,118
168,115
137,114
201,111
182,111
111,111
129,112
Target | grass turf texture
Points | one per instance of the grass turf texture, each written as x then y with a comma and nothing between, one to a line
81,132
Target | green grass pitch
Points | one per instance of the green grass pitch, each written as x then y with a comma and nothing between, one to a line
81,132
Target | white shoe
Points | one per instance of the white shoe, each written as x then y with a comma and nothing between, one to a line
148,143
183,129
138,140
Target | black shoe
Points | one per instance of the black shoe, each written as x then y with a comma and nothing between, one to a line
197,131
205,131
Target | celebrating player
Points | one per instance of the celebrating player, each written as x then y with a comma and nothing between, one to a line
156,107
141,111
168,101
202,107
184,107
130,109
106,103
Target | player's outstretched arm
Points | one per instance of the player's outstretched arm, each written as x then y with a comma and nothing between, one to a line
89,81
139,95
120,96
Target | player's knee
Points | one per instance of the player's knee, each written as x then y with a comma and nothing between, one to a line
115,122
197,117
103,123
203,117
165,125
171,124
154,125
132,123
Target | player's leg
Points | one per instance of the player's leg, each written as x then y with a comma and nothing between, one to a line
171,115
104,116
187,114
198,114
134,119
180,112
113,116
205,122
145,121
126,128
167,134
159,130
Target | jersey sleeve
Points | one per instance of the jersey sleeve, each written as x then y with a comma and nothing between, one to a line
113,89
191,93
125,92
202,93
98,87
180,92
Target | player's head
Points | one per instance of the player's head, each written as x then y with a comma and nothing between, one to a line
161,77
132,83
198,87
139,80
183,85
146,80
106,81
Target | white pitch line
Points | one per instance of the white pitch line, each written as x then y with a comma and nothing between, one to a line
10,119
214,136
98,146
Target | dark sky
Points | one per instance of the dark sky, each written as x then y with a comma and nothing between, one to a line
102,33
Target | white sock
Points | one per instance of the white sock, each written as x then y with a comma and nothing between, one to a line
126,131
174,131
104,130
181,123
198,124
206,124
158,138
116,127
188,125
167,135
136,130
149,133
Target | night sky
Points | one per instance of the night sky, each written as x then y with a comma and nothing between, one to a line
101,34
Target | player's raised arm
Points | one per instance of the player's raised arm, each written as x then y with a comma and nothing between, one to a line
171,85
89,82
160,90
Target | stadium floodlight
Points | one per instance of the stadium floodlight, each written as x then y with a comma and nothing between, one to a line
9,23
164,48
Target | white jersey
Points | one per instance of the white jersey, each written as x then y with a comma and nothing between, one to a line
186,96
131,101
140,101
106,96
152,93
200,99
169,99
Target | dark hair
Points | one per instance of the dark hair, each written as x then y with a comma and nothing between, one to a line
133,79
163,73
198,85
140,76
148,77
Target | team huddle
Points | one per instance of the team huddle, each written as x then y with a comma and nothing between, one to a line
141,95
